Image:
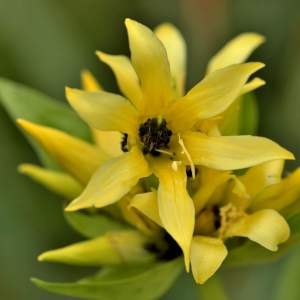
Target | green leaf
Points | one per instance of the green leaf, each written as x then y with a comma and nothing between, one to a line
248,115
92,225
241,117
118,283
287,287
251,253
23,102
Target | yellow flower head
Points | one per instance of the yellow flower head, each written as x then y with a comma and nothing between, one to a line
160,126
157,129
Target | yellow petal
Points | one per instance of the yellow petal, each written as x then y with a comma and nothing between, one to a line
133,216
232,152
109,141
236,51
207,255
265,227
112,248
104,111
126,77
176,208
112,181
77,157
259,177
57,182
89,82
210,181
175,45
252,85
210,97
280,195
146,203
149,59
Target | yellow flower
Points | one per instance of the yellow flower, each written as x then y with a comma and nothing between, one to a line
160,126
227,206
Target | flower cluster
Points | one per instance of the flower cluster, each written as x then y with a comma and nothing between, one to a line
162,163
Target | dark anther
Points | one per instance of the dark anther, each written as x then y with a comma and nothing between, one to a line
154,135
124,142
189,171
217,221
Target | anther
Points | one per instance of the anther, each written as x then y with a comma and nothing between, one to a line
155,136
124,142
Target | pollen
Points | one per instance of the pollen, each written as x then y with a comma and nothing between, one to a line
155,136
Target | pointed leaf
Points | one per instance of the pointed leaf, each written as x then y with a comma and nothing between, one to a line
148,282
93,225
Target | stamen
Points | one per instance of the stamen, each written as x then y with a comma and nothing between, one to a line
176,164
124,143
189,171
164,152
228,213
155,136
188,156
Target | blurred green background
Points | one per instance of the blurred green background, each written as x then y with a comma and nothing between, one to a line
46,43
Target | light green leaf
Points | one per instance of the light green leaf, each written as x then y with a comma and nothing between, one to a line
248,115
23,102
251,253
241,117
288,280
118,283
92,225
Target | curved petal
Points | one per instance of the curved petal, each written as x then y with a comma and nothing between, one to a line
236,51
133,216
57,182
265,227
210,181
110,249
280,195
109,141
212,96
126,77
89,82
252,85
175,45
104,111
112,181
232,152
207,255
77,157
147,204
149,59
176,208
261,176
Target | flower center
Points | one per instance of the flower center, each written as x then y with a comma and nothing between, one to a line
155,135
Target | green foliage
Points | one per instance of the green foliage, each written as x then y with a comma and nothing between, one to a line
248,122
93,225
241,117
287,287
23,102
145,282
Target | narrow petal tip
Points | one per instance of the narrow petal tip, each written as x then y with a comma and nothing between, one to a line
26,125
101,55
73,206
